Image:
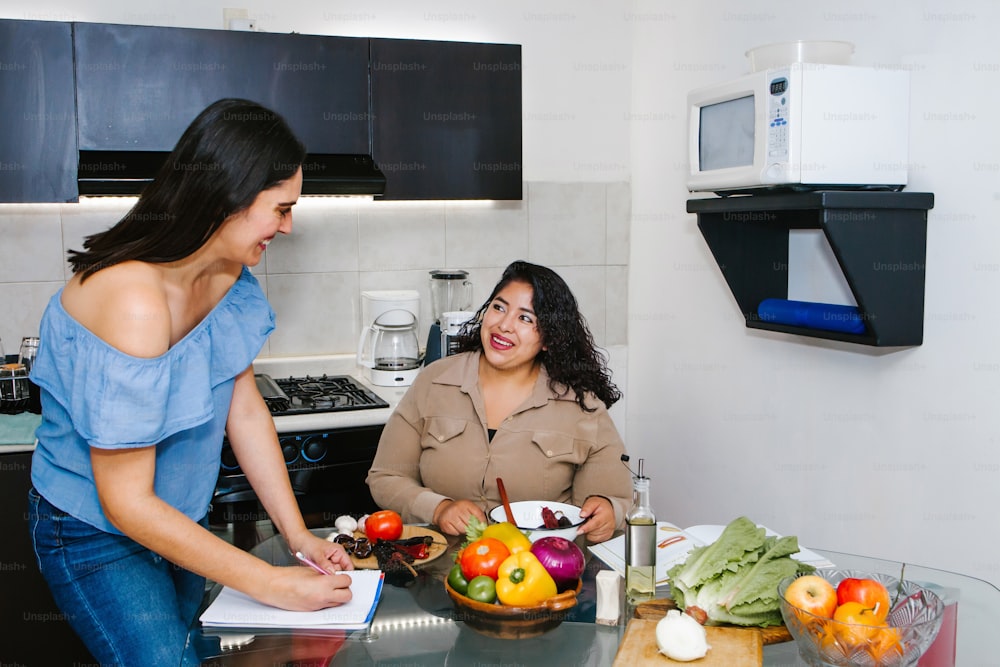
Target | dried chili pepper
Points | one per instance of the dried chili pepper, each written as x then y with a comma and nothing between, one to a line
549,518
415,547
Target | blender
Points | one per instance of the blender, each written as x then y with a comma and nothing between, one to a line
388,350
451,292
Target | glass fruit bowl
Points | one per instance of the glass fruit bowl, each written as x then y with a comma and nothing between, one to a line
912,624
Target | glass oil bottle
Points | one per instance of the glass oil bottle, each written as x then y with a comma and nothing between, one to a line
640,542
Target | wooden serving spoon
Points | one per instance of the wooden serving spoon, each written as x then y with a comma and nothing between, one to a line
505,501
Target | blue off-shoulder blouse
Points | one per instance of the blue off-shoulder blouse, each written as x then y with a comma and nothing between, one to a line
93,395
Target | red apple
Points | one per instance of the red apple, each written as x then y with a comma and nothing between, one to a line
814,594
870,593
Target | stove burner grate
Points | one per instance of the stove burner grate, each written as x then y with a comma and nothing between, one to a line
325,393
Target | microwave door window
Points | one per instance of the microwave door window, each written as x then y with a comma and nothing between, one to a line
726,134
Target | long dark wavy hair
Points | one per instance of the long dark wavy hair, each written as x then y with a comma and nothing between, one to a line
228,155
570,356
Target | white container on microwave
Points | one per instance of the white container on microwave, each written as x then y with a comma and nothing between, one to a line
801,126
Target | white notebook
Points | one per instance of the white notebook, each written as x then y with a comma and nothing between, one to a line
232,609
674,543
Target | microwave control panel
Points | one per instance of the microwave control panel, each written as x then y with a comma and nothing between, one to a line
777,115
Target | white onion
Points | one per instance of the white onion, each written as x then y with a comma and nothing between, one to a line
680,637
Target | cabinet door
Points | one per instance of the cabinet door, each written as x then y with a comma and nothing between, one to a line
38,141
447,119
35,631
139,87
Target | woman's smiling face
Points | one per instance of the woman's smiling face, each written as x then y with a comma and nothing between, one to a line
247,234
509,331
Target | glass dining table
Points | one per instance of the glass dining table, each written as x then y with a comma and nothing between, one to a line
415,625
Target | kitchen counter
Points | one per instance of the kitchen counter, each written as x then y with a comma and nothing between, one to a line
17,432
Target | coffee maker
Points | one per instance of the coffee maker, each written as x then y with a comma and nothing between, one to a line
388,349
451,292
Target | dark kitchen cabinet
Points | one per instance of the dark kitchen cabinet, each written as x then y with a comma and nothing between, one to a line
138,87
447,119
38,142
878,238
35,630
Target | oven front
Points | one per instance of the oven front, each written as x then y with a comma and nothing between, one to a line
327,470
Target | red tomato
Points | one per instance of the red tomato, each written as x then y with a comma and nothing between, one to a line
483,557
383,525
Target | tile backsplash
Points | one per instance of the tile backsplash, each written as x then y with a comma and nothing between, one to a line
341,246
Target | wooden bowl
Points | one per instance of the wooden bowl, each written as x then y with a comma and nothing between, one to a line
507,622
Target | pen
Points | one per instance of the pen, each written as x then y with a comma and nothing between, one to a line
308,561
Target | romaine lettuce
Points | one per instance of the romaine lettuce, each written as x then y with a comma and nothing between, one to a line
735,579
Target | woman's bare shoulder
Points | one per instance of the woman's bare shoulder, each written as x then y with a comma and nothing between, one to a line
125,305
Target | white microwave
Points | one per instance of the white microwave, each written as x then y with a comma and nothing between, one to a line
803,126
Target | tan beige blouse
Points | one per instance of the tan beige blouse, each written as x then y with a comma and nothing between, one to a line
435,447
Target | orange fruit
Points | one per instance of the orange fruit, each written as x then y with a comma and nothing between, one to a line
857,624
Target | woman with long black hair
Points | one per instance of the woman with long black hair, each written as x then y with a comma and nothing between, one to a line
144,365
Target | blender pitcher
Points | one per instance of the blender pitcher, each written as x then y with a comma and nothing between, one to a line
450,291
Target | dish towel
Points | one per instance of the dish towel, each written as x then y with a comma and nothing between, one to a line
19,429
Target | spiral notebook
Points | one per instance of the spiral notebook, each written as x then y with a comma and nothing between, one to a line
232,609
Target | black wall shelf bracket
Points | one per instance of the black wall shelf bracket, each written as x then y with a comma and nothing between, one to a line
878,238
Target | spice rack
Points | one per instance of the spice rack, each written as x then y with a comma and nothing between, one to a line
878,238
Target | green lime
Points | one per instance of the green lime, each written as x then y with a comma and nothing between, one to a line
457,580
482,589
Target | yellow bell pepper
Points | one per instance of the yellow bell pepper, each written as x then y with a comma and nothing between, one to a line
510,535
522,581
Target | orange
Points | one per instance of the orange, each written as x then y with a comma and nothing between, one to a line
858,625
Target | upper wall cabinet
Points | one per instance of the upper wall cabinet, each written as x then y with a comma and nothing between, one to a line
139,87
447,119
38,140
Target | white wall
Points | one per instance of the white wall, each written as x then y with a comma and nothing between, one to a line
892,453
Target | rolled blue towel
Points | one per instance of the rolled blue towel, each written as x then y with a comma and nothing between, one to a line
827,316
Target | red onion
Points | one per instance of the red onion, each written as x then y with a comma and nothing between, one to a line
562,559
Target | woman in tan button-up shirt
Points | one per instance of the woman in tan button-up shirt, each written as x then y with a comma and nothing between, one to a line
526,400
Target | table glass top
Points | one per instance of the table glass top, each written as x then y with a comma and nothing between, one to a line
415,625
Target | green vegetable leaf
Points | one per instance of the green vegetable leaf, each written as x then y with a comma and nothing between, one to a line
474,529
740,537
735,579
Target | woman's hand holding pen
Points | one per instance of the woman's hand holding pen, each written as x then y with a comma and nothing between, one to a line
303,589
315,587
329,556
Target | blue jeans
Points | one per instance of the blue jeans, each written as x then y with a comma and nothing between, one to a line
129,605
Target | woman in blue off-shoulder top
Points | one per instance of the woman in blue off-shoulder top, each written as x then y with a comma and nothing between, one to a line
145,363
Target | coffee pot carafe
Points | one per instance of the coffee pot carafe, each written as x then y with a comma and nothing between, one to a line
451,292
389,350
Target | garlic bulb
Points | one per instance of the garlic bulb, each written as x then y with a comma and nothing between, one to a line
346,524
680,637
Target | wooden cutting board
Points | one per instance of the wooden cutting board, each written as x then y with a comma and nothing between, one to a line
657,609
730,647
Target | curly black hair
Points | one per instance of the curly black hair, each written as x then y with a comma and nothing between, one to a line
570,356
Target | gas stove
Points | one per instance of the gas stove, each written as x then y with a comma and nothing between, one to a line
312,394
328,425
